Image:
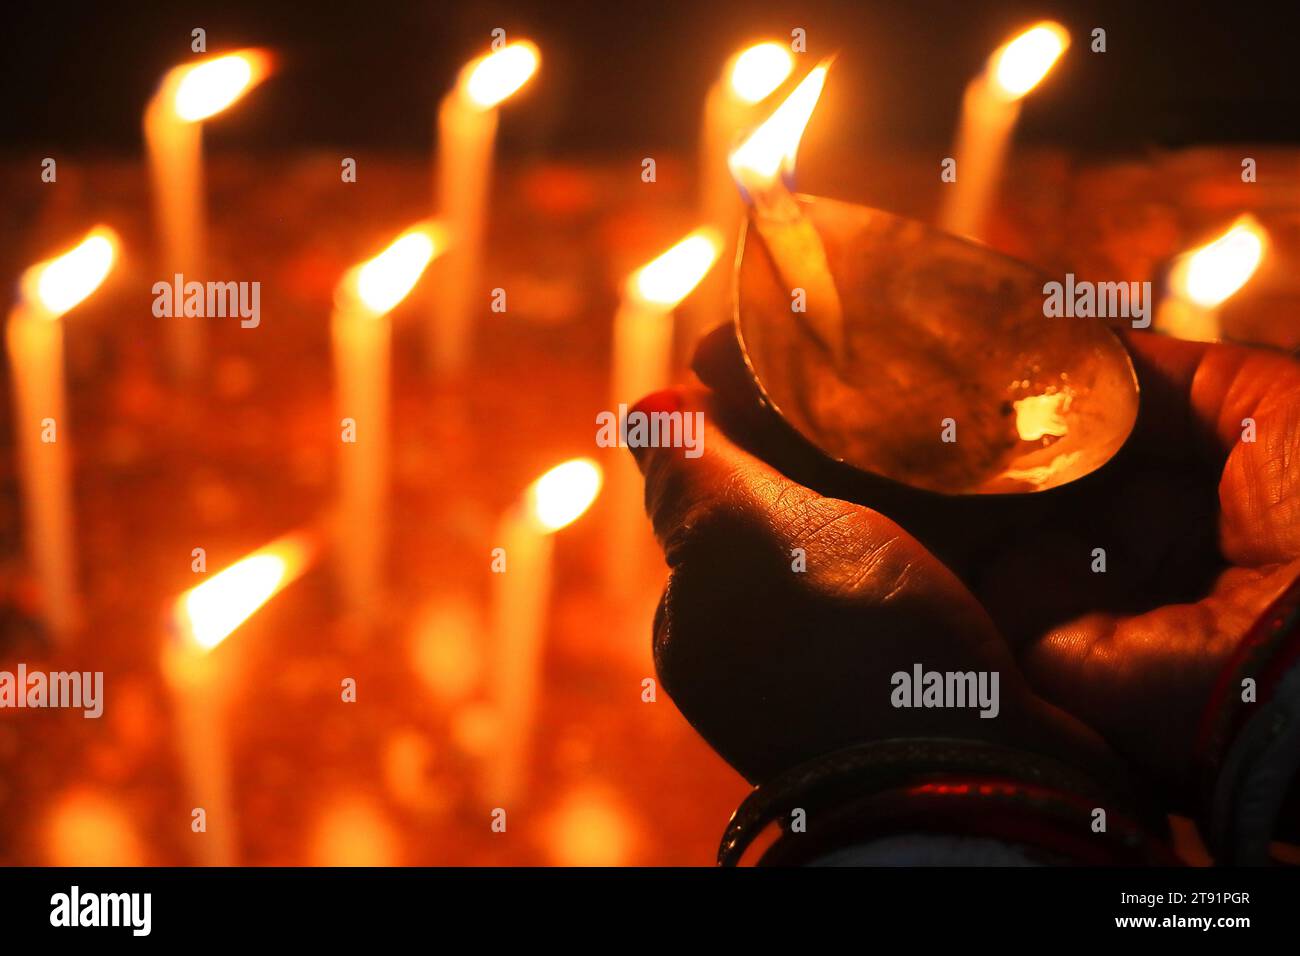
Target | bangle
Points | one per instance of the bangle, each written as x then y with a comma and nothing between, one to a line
949,786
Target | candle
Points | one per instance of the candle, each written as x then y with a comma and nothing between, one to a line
521,606
749,78
467,125
200,668
642,363
763,166
34,335
1203,279
173,130
361,332
989,112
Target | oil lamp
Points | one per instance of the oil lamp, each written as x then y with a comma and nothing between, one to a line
910,353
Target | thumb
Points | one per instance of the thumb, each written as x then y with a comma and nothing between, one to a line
786,612
703,507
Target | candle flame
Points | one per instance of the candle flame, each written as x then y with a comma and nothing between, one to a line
494,77
759,70
208,88
560,496
1020,64
1209,275
771,148
379,284
670,278
209,613
57,285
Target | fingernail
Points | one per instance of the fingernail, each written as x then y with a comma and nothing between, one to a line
665,400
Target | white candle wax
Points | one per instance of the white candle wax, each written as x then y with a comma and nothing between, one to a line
990,108
467,124
361,334
34,339
732,105
173,132
521,596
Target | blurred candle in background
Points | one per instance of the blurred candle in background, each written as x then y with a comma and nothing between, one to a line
763,167
200,669
34,335
1202,280
642,363
467,125
361,331
730,108
521,608
989,112
173,131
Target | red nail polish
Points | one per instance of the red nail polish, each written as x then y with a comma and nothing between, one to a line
665,400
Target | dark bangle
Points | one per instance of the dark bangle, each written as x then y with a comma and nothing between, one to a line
1248,752
957,787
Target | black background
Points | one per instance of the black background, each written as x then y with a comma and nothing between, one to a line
627,76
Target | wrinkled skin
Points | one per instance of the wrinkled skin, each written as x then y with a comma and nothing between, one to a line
1201,532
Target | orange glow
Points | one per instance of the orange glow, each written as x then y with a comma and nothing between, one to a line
444,650
1020,64
770,150
207,88
591,828
353,831
671,277
88,829
560,496
1208,276
759,70
496,76
210,612
59,284
378,285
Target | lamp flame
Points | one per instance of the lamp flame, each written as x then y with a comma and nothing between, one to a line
379,284
494,77
208,88
1209,275
759,70
560,496
667,280
209,613
770,150
1021,63
59,284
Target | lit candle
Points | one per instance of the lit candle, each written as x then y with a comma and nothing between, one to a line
763,167
521,606
361,330
643,328
200,668
1202,280
467,125
749,78
34,335
989,112
173,131
642,363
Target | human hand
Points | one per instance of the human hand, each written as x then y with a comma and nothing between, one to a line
1199,529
